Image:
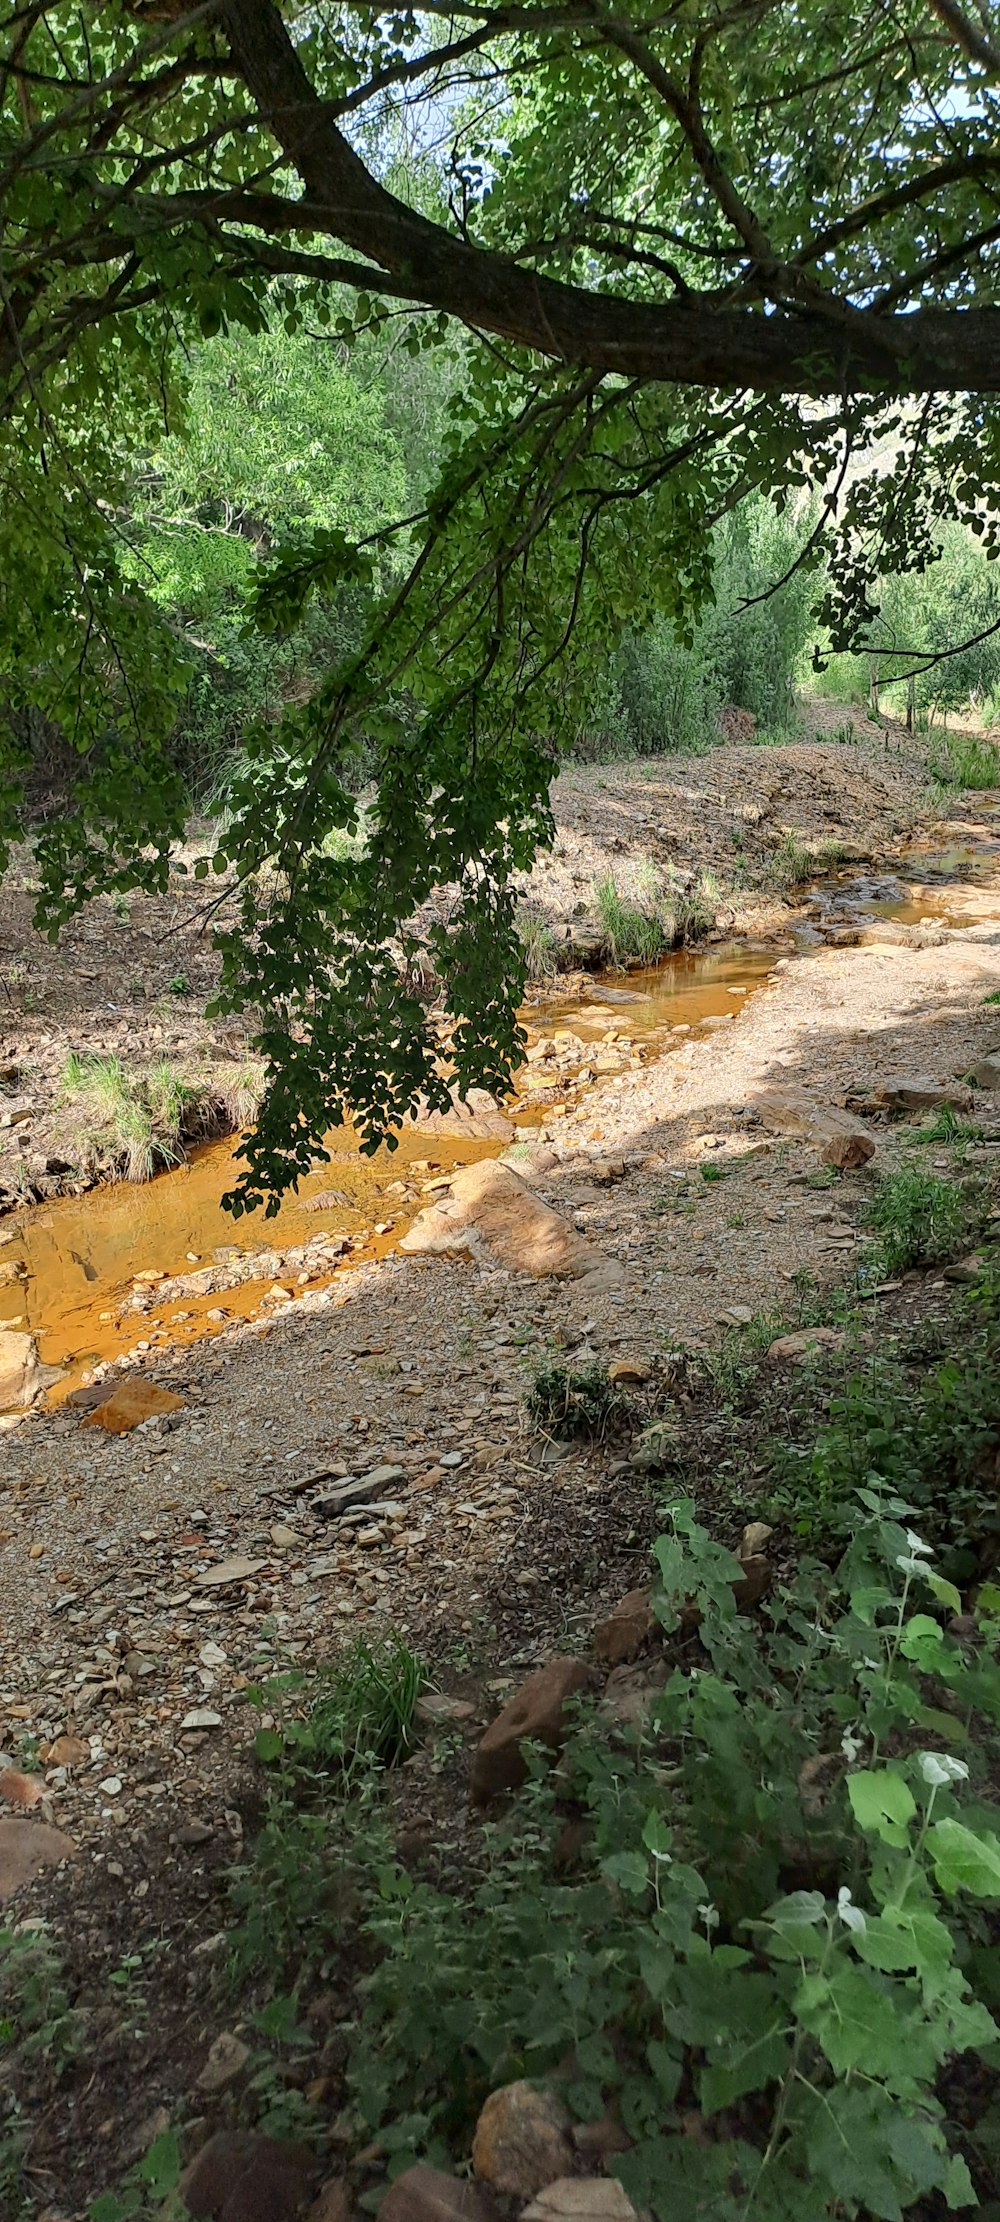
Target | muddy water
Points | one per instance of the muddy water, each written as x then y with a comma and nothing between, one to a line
81,1254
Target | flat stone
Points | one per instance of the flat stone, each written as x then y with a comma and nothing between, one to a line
130,1404
917,1092
581,2199
792,1349
424,2194
229,1570
488,1210
227,2059
522,2135
27,1848
535,1714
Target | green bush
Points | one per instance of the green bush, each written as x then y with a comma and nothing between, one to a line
920,1220
772,1937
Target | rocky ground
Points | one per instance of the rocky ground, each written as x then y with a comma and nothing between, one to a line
148,1579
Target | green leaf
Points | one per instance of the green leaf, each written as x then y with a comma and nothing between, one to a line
268,1744
629,1870
945,1591
882,1803
964,1860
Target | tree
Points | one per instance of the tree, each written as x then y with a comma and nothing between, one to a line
701,251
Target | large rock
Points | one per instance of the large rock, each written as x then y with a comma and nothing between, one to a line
628,1629
917,1092
522,2137
987,1073
242,2177
424,2194
828,1127
27,1848
535,1714
488,1208
22,1377
476,1117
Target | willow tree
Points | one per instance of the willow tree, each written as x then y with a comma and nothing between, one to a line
694,253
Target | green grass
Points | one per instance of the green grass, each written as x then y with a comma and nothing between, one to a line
789,865
141,1123
920,1220
631,935
357,1713
582,1404
967,760
539,948
946,1126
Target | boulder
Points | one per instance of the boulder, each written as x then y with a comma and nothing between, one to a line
916,1092
239,2176
628,1629
476,1117
786,1111
487,1208
424,2194
630,1372
131,1403
987,1073
333,2203
522,2137
968,1270
22,1377
535,1714
631,1693
581,2199
27,1848
792,1349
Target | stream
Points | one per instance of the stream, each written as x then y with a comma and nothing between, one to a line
78,1260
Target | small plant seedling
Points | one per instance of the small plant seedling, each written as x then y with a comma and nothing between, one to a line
178,985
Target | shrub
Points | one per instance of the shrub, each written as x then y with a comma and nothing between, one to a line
767,1957
584,1403
967,760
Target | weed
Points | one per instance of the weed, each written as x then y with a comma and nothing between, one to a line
845,733
630,934
141,1122
946,1126
178,985
920,1220
789,865
355,1714
36,2018
967,760
584,1403
240,1092
711,1173
539,947
993,998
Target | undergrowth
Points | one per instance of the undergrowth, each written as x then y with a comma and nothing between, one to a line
966,760
631,935
921,1220
139,1123
579,1402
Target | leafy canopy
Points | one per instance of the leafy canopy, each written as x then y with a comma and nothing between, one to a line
686,255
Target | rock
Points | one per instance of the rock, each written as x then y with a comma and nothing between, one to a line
967,1270
333,2203
488,1207
241,2177
597,2142
226,2060
66,1751
22,1376
987,1073
791,1349
26,1849
536,1714
631,1692
424,2194
529,1159
755,1538
788,1112
346,1494
845,1152
229,1570
328,1199
918,1093
581,2199
436,1710
476,1118
521,2140
21,1789
632,1370
202,1716
628,1629
131,1403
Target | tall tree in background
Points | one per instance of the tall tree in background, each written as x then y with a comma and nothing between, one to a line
696,253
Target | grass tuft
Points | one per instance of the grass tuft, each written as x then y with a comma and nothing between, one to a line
631,935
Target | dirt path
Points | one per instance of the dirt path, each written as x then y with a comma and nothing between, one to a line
146,1580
